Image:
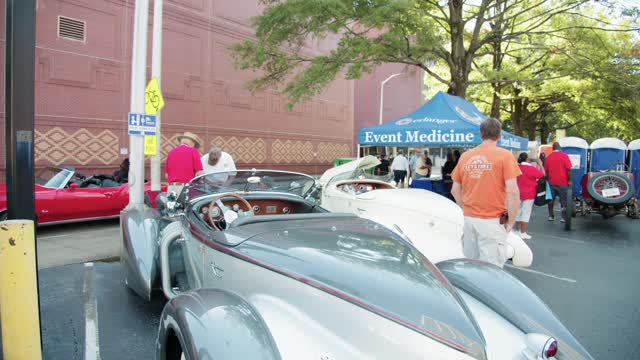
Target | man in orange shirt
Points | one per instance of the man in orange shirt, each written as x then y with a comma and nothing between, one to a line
484,180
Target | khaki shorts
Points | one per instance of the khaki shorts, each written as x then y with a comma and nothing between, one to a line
484,239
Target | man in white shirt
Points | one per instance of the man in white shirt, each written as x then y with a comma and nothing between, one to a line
217,160
400,168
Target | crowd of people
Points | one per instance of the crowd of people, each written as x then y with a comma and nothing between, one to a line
495,191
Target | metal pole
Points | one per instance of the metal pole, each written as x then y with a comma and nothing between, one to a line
382,94
19,307
138,82
156,71
19,107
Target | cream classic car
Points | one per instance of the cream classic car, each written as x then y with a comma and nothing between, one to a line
430,221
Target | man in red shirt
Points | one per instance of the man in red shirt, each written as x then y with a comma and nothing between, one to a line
183,162
558,168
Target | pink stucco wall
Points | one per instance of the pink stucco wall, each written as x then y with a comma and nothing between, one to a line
82,91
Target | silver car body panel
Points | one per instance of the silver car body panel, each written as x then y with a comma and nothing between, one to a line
356,261
215,324
318,286
507,296
140,233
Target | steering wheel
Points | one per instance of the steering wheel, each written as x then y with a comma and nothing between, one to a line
219,220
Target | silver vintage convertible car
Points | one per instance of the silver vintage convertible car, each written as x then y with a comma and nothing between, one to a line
253,269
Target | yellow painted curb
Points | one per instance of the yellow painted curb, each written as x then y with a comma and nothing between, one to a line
19,291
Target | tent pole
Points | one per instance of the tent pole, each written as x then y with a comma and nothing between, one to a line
358,154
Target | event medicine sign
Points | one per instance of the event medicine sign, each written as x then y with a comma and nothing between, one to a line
445,120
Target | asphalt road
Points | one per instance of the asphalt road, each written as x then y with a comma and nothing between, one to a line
587,276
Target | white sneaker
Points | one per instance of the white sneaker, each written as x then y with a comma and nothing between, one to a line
525,236
516,233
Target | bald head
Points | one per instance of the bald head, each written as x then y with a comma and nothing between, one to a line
214,155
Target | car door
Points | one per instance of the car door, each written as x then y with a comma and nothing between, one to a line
45,204
86,203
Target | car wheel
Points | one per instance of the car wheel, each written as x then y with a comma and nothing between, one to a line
635,209
620,188
173,348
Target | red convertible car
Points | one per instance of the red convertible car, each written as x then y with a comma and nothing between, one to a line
63,195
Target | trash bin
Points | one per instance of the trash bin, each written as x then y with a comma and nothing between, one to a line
340,161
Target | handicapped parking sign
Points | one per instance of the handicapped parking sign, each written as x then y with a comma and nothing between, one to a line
142,124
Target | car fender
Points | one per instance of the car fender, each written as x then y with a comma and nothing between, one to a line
511,299
140,231
431,222
214,324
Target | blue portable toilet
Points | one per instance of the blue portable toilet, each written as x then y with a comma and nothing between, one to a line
634,163
606,154
577,149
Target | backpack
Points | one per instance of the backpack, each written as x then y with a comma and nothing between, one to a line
541,197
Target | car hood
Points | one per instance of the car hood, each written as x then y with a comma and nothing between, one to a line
362,163
366,264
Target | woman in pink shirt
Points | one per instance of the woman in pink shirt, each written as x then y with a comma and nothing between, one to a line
528,185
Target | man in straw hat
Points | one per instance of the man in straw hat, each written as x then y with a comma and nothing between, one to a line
183,162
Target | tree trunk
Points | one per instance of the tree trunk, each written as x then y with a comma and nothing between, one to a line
458,61
495,105
544,132
516,116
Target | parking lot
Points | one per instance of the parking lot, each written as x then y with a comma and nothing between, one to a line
588,277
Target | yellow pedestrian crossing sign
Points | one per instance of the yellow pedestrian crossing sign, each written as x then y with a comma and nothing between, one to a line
153,100
150,145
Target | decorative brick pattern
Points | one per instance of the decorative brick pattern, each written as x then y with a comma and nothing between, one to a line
168,143
57,146
289,151
245,150
327,152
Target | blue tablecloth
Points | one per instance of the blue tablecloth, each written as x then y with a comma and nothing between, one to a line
426,184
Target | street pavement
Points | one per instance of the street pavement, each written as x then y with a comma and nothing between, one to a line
587,276
77,242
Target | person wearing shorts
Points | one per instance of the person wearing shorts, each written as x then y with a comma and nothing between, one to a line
484,184
400,168
528,186
558,168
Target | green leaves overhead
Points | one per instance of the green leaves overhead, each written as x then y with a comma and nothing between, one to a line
540,65
368,33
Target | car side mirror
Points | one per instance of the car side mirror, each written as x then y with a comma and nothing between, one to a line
73,186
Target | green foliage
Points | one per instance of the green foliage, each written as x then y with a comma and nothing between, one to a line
539,65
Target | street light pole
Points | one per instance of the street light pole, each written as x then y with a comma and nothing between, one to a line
138,80
382,93
156,72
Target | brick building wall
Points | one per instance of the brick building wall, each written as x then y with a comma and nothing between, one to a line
82,90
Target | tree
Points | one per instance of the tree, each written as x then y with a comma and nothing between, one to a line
538,55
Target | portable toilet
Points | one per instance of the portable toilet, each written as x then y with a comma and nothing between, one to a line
634,163
577,149
606,154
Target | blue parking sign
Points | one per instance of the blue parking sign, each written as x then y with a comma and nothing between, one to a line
142,124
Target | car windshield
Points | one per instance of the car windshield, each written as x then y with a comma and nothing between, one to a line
360,173
250,181
53,177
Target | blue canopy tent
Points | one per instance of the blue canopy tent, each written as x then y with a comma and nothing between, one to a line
577,149
634,163
607,153
445,120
